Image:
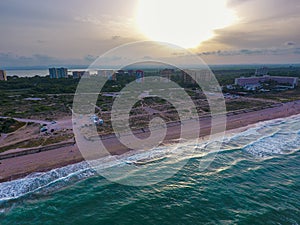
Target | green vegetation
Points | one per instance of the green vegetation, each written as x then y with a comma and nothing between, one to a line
10,125
51,99
242,104
57,139
280,96
40,141
56,95
24,144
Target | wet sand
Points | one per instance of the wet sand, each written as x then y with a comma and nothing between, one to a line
17,167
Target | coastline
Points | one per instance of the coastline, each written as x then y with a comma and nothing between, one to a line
21,166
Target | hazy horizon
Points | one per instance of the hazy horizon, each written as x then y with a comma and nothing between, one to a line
212,66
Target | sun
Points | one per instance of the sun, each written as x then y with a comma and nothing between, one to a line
186,23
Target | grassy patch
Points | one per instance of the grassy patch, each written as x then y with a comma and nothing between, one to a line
10,125
239,105
57,139
24,144
41,141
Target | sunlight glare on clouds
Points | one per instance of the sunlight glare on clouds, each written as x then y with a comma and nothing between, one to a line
185,23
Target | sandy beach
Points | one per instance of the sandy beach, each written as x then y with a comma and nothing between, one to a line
20,166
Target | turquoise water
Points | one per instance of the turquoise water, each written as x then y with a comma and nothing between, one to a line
255,179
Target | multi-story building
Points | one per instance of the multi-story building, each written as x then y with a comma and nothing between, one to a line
53,73
3,75
139,74
292,81
62,72
110,74
130,72
105,73
187,76
79,74
167,73
56,73
191,76
113,77
263,71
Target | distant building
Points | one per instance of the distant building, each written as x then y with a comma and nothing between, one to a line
3,75
53,73
120,72
79,74
191,76
187,77
139,74
293,81
130,72
62,72
101,73
263,71
113,77
56,73
255,81
167,73
105,73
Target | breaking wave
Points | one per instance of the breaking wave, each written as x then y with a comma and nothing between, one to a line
265,139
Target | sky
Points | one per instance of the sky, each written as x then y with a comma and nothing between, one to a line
76,32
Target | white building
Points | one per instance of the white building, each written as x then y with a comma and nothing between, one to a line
3,75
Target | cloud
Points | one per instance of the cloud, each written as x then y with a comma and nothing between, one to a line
266,51
12,60
41,41
289,43
262,24
147,57
90,58
33,12
234,3
59,31
89,19
116,37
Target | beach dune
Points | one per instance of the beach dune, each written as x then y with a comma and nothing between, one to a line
20,166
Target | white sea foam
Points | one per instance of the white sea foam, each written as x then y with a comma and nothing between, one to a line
36,181
278,136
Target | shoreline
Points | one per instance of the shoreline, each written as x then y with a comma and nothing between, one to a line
23,165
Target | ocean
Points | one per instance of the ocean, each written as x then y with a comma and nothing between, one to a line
254,179
39,72
27,73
